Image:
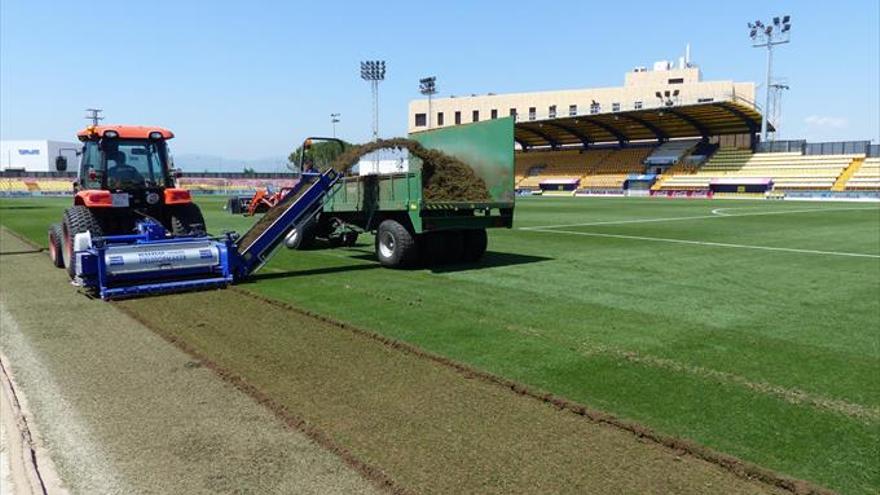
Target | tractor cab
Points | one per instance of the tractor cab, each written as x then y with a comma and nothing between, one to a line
131,162
125,176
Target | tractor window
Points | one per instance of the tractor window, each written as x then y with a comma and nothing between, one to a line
91,161
135,164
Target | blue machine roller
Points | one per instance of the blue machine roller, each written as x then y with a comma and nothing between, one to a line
152,262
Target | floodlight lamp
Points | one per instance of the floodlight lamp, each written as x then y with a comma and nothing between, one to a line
675,93
786,27
775,21
753,33
658,95
786,19
666,93
759,24
751,25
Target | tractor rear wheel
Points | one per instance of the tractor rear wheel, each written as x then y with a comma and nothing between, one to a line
395,245
77,220
187,220
55,245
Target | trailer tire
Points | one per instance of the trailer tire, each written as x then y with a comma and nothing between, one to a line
442,248
301,239
77,220
233,205
55,247
395,245
187,220
475,244
349,239
454,246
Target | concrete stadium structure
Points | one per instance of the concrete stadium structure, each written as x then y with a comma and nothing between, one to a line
680,84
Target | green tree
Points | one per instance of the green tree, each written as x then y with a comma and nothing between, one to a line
320,153
249,171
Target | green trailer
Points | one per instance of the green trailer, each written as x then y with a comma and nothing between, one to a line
409,229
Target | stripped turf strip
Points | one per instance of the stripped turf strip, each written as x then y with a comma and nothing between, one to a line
121,411
431,425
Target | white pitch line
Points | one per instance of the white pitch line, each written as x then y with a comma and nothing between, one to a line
694,217
712,244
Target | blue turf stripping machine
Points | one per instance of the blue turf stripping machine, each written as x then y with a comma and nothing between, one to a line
150,262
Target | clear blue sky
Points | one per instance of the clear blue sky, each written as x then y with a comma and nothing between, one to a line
248,79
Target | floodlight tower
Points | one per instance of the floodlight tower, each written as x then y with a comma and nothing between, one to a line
374,71
768,36
334,119
428,87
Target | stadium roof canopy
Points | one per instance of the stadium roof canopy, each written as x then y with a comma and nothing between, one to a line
654,124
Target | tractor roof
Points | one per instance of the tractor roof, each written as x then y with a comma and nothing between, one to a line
124,132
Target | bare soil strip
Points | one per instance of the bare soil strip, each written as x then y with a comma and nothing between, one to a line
434,425
121,411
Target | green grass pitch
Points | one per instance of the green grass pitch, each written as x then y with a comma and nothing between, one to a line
752,327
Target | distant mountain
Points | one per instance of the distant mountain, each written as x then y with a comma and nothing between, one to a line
194,162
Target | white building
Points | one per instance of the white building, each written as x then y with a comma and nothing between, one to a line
37,155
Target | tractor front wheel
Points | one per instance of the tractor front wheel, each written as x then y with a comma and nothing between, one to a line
77,220
187,220
55,245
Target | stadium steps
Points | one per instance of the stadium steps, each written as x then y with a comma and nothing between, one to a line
840,183
679,169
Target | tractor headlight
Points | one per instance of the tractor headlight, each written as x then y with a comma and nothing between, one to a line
111,134
155,135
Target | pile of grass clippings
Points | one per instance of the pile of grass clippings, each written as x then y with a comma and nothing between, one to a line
444,177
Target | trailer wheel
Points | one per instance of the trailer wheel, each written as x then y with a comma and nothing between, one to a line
475,243
444,247
55,247
349,239
395,245
233,205
77,220
301,238
187,220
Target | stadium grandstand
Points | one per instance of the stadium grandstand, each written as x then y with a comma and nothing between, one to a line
700,150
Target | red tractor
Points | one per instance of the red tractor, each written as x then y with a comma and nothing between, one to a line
125,175
261,202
